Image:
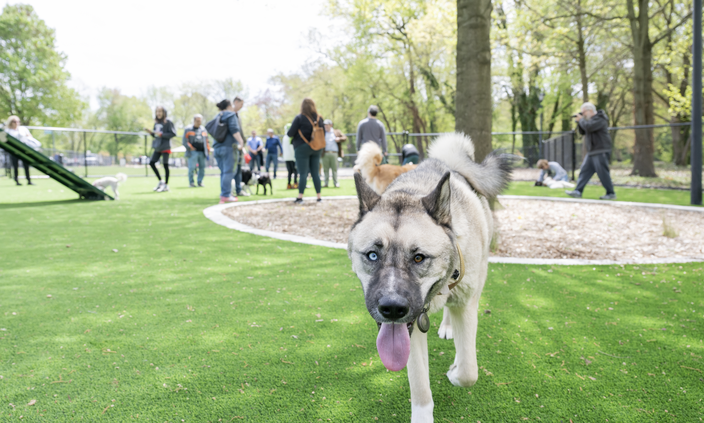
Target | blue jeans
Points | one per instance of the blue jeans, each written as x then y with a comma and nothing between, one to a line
226,164
308,160
196,158
254,162
238,179
272,158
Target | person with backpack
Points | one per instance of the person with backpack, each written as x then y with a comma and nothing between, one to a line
308,139
163,131
238,150
226,131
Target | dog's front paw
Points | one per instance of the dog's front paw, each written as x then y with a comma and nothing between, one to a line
465,378
422,413
445,330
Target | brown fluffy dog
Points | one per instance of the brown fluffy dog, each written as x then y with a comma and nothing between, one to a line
377,175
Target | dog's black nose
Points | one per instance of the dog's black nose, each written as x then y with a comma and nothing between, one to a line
393,308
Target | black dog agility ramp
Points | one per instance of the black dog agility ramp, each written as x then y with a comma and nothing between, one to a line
45,165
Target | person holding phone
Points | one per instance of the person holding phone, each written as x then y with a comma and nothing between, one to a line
162,133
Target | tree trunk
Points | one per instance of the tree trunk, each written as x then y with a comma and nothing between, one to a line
582,55
473,95
644,149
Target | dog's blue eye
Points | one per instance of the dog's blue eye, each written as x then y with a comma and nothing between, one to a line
372,256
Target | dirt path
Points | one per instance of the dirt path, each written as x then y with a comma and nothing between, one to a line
530,229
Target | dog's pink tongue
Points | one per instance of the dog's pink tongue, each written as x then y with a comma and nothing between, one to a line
394,345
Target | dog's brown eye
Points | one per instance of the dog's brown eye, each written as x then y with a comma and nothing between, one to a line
419,258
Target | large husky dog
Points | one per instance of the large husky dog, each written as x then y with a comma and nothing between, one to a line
111,182
421,246
377,175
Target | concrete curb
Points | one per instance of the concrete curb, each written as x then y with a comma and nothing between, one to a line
215,214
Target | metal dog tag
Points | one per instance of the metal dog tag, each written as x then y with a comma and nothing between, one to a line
423,322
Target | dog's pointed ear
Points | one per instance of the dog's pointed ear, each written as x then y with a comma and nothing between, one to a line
368,198
437,203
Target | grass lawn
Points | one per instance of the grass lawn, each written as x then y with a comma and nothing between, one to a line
189,321
593,192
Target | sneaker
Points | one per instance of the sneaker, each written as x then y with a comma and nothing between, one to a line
158,186
18,183
298,201
319,200
229,199
200,184
30,183
295,185
337,185
575,194
165,188
289,186
608,197
325,186
192,185
244,194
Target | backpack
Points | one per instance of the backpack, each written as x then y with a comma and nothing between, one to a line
217,129
317,141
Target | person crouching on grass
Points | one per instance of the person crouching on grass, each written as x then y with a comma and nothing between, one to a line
552,169
595,128
195,139
163,131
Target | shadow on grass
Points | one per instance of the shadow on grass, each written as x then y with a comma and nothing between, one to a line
9,206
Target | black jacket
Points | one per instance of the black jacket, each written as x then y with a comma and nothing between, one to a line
301,122
168,130
596,134
408,150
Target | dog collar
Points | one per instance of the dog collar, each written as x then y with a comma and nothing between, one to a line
422,321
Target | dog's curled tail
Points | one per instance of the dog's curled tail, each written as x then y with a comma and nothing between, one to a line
369,155
121,177
456,150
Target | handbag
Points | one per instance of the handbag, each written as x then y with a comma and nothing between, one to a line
317,141
217,129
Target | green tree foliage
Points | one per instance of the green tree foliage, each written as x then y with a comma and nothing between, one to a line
33,82
118,112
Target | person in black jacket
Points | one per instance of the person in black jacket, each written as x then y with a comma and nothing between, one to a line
307,159
594,126
409,154
162,133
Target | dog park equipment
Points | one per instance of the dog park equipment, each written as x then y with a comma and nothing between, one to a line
85,190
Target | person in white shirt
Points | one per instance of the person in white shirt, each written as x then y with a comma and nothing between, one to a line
330,155
289,158
13,128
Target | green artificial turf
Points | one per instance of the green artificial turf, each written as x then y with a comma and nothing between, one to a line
190,321
593,192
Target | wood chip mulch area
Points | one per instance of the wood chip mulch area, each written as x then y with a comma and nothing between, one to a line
529,229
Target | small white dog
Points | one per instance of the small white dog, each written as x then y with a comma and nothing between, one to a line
553,184
109,181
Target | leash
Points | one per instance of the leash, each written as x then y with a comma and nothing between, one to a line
423,321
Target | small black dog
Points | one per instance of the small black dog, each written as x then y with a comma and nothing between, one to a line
246,176
263,179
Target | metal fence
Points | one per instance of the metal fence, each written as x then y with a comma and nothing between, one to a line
89,147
